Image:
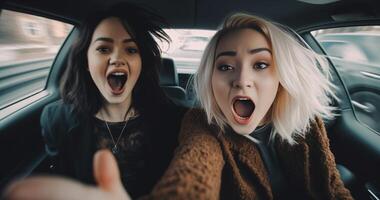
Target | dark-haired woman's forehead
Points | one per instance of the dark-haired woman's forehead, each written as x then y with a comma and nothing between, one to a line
111,30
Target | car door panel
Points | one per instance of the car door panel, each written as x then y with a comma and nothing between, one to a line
22,146
354,144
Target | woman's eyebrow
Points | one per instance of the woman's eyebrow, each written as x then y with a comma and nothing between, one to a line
106,39
129,40
251,51
226,53
258,50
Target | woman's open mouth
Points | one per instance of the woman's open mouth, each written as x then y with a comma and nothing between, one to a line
116,81
243,108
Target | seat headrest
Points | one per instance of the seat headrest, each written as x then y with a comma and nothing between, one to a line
168,73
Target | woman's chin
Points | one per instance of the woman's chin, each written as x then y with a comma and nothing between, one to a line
243,129
115,99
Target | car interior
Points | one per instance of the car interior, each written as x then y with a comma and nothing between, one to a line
356,145
169,80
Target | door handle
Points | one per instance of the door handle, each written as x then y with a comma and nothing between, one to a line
367,107
372,191
370,75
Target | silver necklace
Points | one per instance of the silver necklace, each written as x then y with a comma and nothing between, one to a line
115,148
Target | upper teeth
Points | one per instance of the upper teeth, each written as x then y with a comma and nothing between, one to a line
243,98
118,73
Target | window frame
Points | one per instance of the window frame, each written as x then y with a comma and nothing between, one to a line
345,103
51,87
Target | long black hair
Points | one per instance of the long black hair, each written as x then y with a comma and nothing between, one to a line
77,86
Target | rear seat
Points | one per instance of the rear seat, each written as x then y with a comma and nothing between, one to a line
169,81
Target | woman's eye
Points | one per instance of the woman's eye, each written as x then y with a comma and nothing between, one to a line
132,50
103,50
260,65
225,67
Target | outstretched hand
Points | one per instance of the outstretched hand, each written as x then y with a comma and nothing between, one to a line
106,174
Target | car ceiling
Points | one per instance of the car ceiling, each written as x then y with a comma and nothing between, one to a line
207,14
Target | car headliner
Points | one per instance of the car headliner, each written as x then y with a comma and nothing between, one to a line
207,14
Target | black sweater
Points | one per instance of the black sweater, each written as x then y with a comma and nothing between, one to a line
72,139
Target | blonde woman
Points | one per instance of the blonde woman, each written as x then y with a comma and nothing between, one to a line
259,134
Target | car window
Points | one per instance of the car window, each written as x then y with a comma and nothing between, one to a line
28,45
354,53
186,48
344,50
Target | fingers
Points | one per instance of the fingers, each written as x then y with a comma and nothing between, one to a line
107,175
106,172
44,188
49,187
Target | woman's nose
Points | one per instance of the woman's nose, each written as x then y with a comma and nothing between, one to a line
243,80
117,62
117,59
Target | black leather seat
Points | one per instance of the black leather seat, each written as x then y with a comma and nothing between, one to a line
169,80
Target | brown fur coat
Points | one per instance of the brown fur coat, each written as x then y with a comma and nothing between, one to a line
211,166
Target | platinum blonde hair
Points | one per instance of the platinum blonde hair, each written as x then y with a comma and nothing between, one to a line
305,89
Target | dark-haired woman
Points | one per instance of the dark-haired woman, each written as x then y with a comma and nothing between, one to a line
111,99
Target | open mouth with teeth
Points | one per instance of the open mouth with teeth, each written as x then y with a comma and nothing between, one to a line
116,81
243,108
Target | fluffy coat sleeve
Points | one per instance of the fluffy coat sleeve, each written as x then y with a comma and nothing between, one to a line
196,169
